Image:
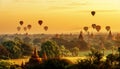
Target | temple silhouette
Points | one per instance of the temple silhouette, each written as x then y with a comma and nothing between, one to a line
34,60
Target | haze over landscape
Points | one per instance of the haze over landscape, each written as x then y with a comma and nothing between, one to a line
59,34
62,16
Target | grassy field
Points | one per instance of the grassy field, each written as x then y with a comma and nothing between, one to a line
74,59
19,61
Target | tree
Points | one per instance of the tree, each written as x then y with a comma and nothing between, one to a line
4,53
26,49
17,39
111,58
108,44
36,41
50,48
11,46
96,56
64,51
27,40
119,51
75,51
4,65
118,58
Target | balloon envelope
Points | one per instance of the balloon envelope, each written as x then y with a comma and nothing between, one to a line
45,28
40,22
107,28
98,28
85,28
18,28
21,22
93,13
93,26
25,28
29,26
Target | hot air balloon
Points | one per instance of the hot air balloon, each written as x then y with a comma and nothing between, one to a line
40,22
29,26
107,28
25,28
85,28
18,28
21,22
93,26
45,28
98,28
93,13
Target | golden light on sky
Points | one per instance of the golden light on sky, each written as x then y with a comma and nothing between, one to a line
62,16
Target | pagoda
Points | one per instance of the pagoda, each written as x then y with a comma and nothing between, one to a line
34,60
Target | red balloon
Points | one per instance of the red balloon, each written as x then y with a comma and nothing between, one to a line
21,22
40,22
98,28
18,28
45,28
85,28
29,26
93,13
93,26
107,28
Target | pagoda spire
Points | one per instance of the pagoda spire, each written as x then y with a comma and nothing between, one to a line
35,57
44,56
110,35
81,35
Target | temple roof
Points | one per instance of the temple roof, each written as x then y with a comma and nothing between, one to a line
35,57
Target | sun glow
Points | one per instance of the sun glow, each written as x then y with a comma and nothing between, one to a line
60,15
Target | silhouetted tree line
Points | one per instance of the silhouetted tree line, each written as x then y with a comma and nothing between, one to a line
94,60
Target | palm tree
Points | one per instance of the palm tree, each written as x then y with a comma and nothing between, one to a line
111,58
119,55
119,51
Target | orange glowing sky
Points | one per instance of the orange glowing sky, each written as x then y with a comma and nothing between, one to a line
62,16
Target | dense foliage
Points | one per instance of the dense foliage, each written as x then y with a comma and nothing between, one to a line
15,49
18,46
50,48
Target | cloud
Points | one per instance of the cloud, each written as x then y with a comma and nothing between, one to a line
98,10
29,1
106,10
70,5
76,4
60,7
